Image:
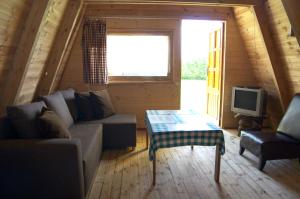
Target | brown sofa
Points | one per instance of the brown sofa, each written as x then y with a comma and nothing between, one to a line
282,144
59,168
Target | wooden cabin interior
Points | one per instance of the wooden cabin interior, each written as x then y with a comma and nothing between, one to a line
42,52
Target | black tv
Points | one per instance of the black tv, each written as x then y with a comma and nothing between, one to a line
248,101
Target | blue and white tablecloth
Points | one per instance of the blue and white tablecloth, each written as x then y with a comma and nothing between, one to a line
171,128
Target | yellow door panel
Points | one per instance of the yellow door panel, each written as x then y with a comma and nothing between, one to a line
214,73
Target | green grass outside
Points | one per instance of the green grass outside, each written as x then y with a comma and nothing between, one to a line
195,70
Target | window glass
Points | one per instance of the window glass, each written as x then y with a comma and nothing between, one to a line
138,55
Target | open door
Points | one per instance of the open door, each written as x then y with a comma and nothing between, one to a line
214,71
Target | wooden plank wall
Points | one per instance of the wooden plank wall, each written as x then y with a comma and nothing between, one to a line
238,70
12,17
137,97
287,49
259,59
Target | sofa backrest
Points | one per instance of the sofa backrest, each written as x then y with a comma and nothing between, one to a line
290,123
57,103
6,130
69,96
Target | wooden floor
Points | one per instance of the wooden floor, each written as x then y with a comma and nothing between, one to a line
186,173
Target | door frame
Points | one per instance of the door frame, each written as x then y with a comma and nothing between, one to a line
222,74
222,69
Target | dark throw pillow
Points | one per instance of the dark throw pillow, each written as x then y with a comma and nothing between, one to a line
24,119
84,106
51,125
103,96
98,106
57,103
69,96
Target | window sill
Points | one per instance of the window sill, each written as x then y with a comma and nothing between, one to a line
139,82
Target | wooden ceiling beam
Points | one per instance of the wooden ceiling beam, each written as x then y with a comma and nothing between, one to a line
27,43
179,2
292,8
278,72
59,51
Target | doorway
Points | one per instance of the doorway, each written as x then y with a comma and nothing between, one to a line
201,66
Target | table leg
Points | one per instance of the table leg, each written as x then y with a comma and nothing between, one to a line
217,163
154,169
147,140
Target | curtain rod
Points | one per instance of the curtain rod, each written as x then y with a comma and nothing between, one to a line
128,17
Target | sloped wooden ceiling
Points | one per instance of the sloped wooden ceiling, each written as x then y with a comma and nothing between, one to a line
43,43
36,28
222,3
12,19
292,8
287,45
60,51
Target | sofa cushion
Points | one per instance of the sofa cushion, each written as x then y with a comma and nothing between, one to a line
269,145
6,130
119,119
69,96
52,126
103,96
119,130
24,119
84,106
57,103
90,136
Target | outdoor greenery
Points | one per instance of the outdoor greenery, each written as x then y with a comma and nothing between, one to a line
195,70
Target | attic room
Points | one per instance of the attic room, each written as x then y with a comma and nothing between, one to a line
93,105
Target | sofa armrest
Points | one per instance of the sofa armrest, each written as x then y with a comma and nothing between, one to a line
50,168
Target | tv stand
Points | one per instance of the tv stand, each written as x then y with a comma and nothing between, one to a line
249,122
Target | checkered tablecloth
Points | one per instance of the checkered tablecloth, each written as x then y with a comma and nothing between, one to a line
168,128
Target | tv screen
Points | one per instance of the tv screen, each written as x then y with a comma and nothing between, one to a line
248,101
245,99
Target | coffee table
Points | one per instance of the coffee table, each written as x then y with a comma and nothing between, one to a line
172,128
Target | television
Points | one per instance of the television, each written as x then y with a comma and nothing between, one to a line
248,101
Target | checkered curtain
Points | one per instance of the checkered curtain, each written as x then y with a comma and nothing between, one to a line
94,52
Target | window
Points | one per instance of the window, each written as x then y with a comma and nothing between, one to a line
138,56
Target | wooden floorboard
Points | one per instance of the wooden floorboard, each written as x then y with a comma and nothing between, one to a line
186,173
